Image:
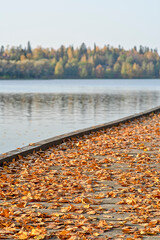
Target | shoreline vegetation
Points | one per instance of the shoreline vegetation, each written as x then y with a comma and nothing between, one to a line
79,63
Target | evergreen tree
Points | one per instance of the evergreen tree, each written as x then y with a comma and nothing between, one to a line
29,49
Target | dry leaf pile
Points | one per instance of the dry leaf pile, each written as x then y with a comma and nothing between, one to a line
101,186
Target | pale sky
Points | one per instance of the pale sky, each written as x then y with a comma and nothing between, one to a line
51,23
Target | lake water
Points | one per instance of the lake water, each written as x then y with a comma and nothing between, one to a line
33,110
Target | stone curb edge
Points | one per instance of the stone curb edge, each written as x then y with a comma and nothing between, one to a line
43,145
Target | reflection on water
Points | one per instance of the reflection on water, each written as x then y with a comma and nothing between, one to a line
28,117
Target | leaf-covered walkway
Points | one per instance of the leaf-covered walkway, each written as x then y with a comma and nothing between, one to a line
105,185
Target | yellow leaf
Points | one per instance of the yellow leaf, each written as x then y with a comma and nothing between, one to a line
37,231
23,235
64,233
91,212
96,234
42,236
87,206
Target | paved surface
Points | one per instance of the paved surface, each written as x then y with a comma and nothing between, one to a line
101,186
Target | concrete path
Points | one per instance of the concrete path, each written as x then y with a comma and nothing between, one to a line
105,185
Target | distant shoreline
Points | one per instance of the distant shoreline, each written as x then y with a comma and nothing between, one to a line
38,79
79,63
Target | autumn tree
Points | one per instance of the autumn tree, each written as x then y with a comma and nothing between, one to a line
38,53
99,71
83,71
137,73
150,70
70,53
59,69
126,70
117,69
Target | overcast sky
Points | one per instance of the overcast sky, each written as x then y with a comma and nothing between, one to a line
51,23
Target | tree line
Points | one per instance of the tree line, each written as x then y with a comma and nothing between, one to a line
82,62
